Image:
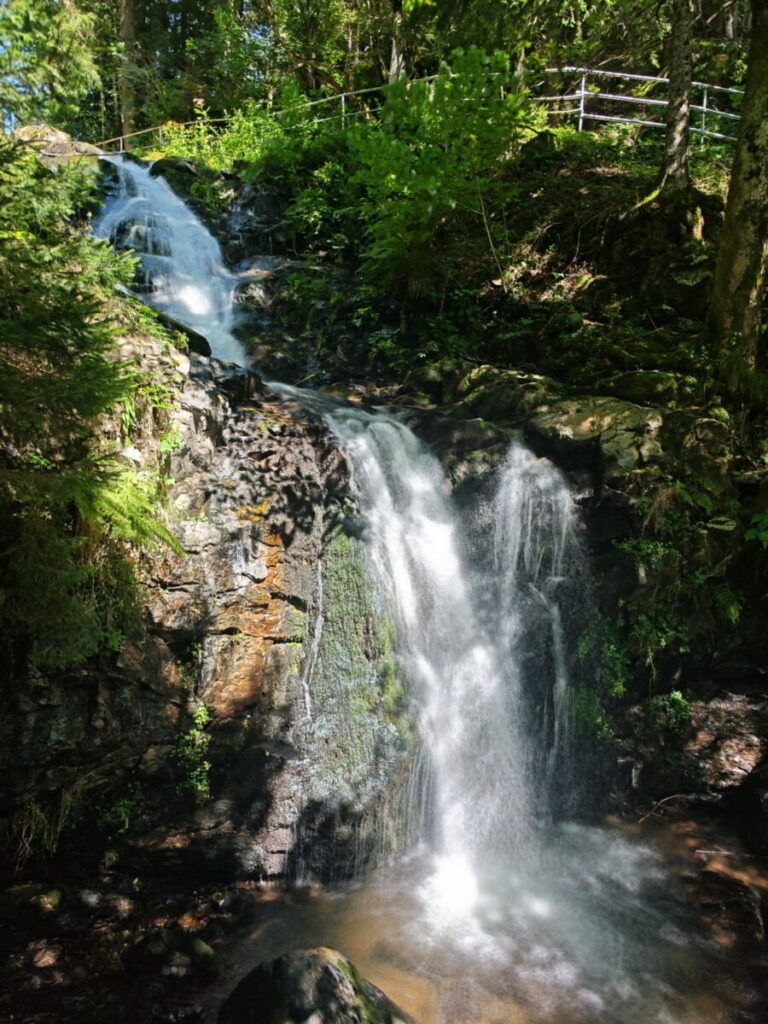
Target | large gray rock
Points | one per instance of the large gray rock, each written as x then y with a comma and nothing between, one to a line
315,986
55,147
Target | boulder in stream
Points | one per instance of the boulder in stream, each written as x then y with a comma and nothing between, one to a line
311,986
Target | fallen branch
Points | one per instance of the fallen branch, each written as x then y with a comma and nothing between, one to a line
675,796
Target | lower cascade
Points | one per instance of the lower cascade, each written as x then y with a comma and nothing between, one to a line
499,908
496,900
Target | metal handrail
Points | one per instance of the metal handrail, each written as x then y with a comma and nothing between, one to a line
337,97
583,95
639,78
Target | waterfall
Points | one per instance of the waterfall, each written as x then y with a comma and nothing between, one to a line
182,269
540,585
467,659
508,911
577,922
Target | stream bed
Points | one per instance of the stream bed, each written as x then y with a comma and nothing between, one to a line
648,926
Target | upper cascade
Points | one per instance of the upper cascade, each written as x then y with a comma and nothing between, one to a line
182,268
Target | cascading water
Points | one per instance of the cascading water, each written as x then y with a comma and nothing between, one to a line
498,914
560,915
465,664
539,588
182,269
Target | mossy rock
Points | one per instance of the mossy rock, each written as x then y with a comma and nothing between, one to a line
178,172
645,387
317,985
505,396
624,434
360,731
438,380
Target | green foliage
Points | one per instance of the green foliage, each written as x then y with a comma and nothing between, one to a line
758,529
46,59
170,442
67,507
671,712
602,645
437,160
602,639
116,818
682,557
589,716
190,752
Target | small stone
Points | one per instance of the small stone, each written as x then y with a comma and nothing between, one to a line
89,898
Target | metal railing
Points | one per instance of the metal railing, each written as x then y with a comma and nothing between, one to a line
583,96
340,98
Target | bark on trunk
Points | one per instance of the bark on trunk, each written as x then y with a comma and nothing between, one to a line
737,292
397,59
674,171
127,30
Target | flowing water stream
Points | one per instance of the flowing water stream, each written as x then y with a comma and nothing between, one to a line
182,272
499,911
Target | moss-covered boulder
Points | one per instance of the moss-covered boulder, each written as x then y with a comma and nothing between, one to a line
317,985
647,387
613,435
178,172
626,435
505,396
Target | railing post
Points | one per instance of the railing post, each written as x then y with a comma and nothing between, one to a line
582,97
704,116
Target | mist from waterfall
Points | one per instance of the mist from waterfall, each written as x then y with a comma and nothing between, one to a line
182,269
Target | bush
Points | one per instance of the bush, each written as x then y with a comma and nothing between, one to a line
66,506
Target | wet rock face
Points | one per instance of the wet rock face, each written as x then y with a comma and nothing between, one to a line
266,628
256,223
272,614
316,986
716,751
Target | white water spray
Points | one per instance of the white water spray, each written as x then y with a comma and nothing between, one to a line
463,671
566,914
182,269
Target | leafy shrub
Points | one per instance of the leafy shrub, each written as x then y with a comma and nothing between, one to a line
671,711
66,507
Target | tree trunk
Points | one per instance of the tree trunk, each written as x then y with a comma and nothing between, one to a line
397,60
674,171
737,291
127,32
